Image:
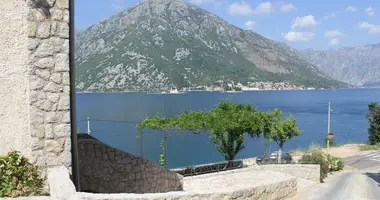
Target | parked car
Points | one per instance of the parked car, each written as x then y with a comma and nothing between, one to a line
272,158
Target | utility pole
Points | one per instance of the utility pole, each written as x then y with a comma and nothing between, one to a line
88,126
328,125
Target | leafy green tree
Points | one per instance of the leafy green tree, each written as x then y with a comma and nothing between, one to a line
374,123
226,122
278,130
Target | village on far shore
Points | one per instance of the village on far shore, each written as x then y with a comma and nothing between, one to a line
227,88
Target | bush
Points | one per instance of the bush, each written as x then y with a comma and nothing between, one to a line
317,157
368,147
18,177
340,164
336,164
327,162
374,120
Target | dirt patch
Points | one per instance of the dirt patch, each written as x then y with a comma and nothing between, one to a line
344,151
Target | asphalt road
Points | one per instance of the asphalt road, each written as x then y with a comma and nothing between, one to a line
364,161
363,184
347,186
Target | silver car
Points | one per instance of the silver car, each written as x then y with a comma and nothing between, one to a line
272,158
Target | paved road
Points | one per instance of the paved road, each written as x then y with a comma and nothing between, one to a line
363,184
348,186
364,161
344,186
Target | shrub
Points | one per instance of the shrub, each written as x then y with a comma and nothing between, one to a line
374,120
317,157
340,164
18,177
327,162
336,164
368,147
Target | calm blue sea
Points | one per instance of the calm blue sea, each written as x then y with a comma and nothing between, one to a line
114,117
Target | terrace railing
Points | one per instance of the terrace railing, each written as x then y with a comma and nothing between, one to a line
209,168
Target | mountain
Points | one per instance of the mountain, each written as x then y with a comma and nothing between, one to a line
159,44
358,65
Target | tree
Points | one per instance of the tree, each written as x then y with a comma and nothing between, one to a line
374,123
274,129
226,122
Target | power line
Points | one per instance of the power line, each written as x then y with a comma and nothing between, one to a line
173,133
349,108
115,121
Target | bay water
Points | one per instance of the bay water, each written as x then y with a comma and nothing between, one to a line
114,118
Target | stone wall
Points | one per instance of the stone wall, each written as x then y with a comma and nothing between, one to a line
282,188
275,187
309,172
35,77
104,169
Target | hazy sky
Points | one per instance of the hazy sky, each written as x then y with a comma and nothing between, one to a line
300,23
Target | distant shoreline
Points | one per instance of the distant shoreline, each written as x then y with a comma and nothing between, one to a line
225,92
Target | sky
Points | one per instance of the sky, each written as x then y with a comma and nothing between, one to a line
321,24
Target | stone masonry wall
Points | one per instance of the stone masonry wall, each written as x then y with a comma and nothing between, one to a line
49,83
104,169
35,81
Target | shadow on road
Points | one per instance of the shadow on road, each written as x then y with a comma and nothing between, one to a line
374,176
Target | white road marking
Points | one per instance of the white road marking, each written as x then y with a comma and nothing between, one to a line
374,156
369,154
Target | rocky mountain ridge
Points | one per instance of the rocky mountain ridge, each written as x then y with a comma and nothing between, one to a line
160,44
357,65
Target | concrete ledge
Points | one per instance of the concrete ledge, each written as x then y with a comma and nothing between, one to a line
60,184
309,172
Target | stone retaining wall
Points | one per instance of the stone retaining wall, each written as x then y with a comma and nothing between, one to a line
309,172
61,188
104,169
276,191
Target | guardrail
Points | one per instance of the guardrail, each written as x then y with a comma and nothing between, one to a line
209,168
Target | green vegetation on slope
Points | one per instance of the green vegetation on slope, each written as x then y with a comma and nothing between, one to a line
162,48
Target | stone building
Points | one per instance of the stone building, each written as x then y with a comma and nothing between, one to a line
37,105
35,81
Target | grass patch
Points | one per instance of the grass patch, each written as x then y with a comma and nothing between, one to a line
368,147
